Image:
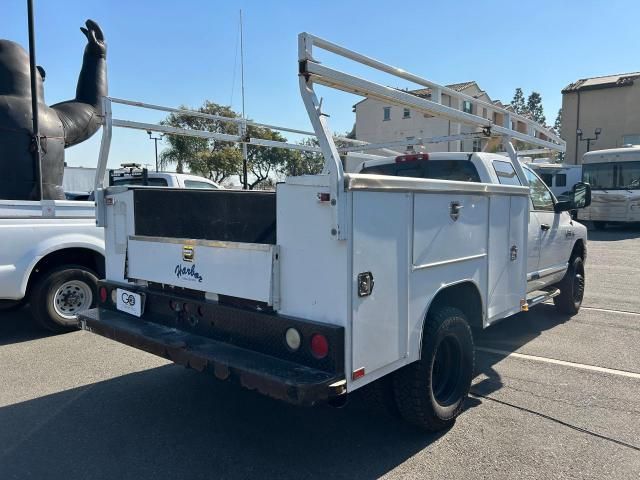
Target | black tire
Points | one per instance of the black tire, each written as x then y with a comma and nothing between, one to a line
430,393
571,288
599,225
58,295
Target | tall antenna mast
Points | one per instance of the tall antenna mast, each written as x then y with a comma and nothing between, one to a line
245,182
242,63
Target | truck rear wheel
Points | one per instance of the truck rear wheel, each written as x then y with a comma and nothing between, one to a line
571,288
60,294
430,393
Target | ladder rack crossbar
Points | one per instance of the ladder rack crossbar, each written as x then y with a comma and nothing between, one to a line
323,75
328,46
223,137
209,116
415,141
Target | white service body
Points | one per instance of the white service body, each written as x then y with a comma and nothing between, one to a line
399,229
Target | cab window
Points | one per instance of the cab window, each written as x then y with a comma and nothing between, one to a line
198,184
154,182
540,195
505,172
457,170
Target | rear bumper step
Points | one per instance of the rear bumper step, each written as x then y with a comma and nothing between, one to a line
271,376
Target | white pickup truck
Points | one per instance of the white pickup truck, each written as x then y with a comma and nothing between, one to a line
53,253
138,176
52,256
341,280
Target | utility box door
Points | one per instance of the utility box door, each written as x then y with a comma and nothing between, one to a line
507,255
381,231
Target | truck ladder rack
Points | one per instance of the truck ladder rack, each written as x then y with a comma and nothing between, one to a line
312,72
108,122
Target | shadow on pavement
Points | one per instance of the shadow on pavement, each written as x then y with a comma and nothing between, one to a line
614,233
172,423
509,335
169,423
18,326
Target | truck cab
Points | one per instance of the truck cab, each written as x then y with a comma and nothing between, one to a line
133,174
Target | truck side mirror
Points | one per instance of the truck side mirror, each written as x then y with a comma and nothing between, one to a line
581,197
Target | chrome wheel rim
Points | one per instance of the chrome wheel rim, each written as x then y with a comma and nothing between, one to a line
71,298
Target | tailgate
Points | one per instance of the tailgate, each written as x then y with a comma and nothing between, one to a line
245,270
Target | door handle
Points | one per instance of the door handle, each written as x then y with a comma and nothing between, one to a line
545,226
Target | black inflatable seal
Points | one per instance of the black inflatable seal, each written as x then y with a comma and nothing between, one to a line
62,125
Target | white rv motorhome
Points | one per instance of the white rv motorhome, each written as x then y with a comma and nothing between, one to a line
614,176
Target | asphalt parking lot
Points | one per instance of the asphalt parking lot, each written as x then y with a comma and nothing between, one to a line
79,406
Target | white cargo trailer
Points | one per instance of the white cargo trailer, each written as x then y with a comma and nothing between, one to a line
341,280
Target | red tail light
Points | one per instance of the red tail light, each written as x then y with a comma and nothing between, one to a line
319,346
103,294
412,158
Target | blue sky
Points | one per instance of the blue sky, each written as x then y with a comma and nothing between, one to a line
182,52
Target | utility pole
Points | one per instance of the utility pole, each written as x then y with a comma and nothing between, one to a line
243,128
155,139
35,141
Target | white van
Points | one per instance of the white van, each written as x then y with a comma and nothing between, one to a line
560,178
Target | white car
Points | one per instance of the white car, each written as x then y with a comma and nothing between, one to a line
164,179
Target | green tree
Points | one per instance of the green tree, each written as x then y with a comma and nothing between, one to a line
303,162
534,107
312,163
220,160
264,163
218,165
213,159
518,101
557,126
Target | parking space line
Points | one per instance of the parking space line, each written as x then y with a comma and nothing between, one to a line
608,310
593,368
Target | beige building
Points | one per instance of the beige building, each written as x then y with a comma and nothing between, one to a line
378,122
610,103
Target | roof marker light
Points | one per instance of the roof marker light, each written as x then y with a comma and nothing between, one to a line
414,157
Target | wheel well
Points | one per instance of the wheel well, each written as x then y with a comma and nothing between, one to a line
579,250
75,256
464,296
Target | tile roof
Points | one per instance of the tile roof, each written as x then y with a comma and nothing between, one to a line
606,81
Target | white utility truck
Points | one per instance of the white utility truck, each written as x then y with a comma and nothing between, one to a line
614,175
341,280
